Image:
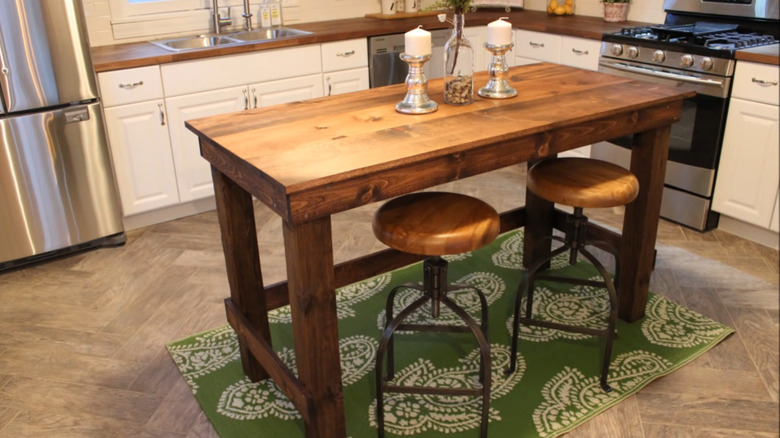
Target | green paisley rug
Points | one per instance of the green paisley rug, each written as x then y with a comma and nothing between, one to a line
555,387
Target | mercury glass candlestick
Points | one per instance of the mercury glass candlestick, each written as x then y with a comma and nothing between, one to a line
416,100
498,86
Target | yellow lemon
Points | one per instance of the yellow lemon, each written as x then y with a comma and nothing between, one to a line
560,10
568,9
553,4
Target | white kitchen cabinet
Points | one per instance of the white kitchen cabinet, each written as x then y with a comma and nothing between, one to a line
193,173
344,66
532,47
180,78
137,127
345,81
141,153
285,91
580,52
749,170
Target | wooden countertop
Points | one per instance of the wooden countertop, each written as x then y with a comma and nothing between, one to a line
764,54
121,56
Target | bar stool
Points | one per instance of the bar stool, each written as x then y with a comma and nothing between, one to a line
435,224
579,183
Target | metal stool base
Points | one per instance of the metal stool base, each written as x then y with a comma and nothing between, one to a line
574,243
435,290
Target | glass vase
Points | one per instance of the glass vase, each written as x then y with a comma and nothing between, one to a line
458,66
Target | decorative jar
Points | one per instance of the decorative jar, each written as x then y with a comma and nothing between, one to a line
458,66
560,7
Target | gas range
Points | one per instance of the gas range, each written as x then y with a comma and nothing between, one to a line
694,48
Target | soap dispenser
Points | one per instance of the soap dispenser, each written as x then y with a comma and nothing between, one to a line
265,15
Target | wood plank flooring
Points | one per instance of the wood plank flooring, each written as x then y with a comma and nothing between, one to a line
82,338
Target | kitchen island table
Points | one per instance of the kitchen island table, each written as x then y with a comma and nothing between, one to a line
309,160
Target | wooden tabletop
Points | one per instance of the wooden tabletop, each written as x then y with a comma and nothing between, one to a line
291,155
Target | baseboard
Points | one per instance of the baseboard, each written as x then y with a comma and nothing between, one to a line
169,213
748,231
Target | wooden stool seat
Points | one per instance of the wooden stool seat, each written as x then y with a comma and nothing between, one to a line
436,223
583,182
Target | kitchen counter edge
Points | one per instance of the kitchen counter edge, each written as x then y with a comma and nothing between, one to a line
141,54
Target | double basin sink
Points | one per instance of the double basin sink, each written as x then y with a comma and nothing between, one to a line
228,39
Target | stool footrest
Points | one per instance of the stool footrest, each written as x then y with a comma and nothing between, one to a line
569,328
476,392
434,328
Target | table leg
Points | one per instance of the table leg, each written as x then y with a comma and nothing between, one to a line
242,261
640,223
540,215
310,276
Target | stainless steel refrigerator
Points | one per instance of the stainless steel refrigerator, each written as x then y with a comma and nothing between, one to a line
57,188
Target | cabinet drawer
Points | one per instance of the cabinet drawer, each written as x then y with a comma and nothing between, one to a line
235,70
343,55
580,52
130,86
538,45
756,82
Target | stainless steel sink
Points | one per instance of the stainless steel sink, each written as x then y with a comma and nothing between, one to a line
196,42
266,34
229,39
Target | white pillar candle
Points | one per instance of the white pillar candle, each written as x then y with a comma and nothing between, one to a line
417,42
499,32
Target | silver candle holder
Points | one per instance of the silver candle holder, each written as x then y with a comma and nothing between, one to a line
416,100
498,86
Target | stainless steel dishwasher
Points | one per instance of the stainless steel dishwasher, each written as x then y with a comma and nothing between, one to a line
385,67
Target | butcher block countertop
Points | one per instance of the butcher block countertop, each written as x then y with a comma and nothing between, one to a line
764,54
121,56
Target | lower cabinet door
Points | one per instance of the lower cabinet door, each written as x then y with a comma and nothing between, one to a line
141,152
286,90
747,182
193,173
345,81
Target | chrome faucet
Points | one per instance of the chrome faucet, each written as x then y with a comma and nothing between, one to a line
247,16
220,21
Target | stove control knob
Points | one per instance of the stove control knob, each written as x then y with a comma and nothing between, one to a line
706,64
616,49
633,52
686,61
659,56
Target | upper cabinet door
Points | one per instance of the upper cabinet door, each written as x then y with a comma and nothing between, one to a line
44,55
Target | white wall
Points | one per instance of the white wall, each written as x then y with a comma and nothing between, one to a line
101,33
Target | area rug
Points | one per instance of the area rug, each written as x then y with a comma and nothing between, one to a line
554,389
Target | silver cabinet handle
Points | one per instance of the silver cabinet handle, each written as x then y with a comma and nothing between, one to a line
346,54
763,82
330,86
254,98
162,114
533,44
579,52
246,98
133,85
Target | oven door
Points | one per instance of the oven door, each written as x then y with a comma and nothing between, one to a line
694,143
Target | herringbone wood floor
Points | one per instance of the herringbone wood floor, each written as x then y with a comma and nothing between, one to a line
82,338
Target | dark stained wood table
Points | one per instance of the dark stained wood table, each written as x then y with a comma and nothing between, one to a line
311,159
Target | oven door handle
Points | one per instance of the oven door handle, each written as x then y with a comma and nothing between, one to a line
662,74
